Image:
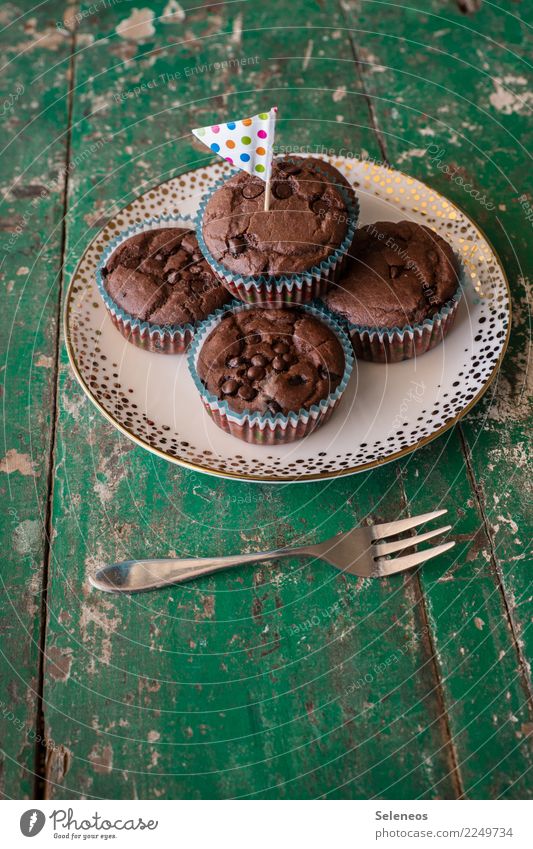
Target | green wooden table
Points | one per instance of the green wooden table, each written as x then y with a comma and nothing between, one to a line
280,681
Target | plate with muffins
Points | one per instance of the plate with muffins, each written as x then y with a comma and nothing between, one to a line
357,319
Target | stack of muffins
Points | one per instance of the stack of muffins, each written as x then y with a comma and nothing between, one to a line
272,305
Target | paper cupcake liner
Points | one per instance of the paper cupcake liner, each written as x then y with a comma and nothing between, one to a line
162,339
275,290
266,428
392,345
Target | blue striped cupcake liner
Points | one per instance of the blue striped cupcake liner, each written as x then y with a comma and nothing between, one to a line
162,339
392,345
275,290
268,428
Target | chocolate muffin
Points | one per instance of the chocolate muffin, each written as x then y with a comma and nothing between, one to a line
400,274
160,276
307,220
271,361
289,254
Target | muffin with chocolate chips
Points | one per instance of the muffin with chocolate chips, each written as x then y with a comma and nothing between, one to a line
157,286
270,376
290,253
399,291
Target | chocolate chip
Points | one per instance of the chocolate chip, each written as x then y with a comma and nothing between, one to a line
279,364
320,206
236,245
233,362
256,373
259,360
273,407
247,392
253,189
230,387
254,339
282,190
296,380
280,347
159,257
289,358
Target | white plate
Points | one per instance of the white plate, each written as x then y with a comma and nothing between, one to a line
387,410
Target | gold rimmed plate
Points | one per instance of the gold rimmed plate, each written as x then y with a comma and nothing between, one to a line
387,410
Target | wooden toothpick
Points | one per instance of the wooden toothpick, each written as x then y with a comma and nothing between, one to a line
272,132
267,195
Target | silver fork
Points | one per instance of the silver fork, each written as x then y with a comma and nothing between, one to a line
362,551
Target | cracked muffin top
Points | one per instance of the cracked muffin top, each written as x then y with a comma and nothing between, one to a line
333,174
399,273
307,221
275,360
160,276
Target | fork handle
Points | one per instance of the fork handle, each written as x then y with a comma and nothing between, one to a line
137,575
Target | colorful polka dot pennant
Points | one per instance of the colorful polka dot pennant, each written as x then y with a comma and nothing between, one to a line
247,144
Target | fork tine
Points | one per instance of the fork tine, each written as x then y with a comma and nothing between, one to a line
388,529
399,564
384,548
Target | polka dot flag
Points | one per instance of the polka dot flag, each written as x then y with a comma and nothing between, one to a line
247,144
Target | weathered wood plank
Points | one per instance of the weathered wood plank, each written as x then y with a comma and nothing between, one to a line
443,111
32,181
270,682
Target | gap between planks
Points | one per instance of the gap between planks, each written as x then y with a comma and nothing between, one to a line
374,123
480,500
